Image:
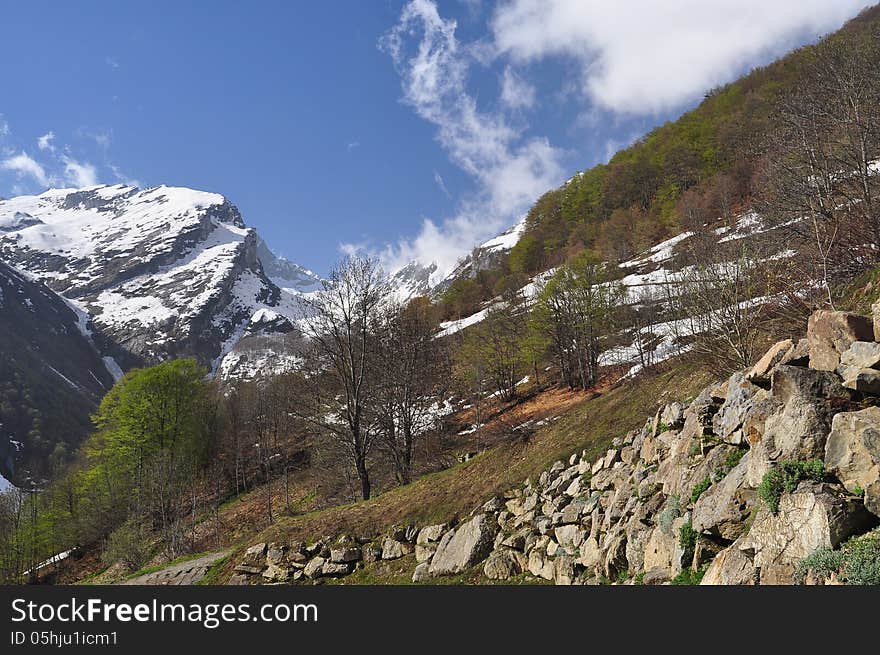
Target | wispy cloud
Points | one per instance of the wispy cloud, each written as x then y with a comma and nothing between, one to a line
509,170
352,145
642,56
112,62
24,166
57,164
122,177
438,179
80,174
45,141
516,93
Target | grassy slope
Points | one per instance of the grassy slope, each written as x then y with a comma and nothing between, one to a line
589,425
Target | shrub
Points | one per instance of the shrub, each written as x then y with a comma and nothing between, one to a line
128,544
733,458
786,477
856,563
862,560
687,539
698,490
690,577
771,488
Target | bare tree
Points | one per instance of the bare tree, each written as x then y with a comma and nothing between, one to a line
577,309
819,180
413,376
722,299
341,322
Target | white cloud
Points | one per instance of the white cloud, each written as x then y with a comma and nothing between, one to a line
644,56
516,93
122,177
510,171
4,127
79,174
25,166
439,181
45,141
352,145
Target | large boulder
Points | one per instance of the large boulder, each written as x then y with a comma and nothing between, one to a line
730,567
830,334
742,395
722,509
815,515
800,425
464,547
852,453
862,354
781,352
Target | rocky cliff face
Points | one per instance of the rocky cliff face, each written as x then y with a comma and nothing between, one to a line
741,485
163,272
51,377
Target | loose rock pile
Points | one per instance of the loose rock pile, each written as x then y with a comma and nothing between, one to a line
681,493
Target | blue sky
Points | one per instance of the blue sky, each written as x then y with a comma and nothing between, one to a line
406,129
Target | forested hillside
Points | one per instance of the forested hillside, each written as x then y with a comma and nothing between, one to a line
704,167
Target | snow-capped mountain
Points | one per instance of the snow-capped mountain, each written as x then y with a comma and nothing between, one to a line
285,273
417,279
51,377
485,255
162,272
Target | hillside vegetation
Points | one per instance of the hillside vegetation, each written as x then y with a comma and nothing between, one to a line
704,166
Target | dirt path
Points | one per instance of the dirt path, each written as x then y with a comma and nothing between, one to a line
184,573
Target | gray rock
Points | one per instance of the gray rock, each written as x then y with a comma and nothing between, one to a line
313,568
425,553
275,553
371,553
656,576
722,509
741,397
852,453
564,570
862,354
276,573
540,565
392,549
421,573
569,537
345,555
731,566
815,515
335,569
673,416
465,547
255,555
778,354
866,380
830,334
800,426
615,561
502,565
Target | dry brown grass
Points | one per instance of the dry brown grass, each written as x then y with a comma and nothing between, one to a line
586,423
